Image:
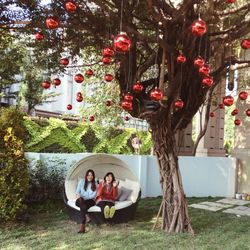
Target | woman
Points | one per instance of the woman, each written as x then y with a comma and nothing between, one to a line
106,195
85,194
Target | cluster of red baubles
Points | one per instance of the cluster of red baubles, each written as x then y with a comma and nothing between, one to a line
127,102
46,84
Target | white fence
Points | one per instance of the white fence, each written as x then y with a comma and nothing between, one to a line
202,176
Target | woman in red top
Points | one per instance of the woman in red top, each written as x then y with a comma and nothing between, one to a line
106,195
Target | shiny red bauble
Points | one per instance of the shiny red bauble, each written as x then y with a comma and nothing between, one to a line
39,36
79,98
56,81
231,1
128,97
69,107
199,62
122,43
108,77
248,112
245,44
235,112
237,122
127,105
199,27
243,95
108,103
45,84
181,58
64,61
79,78
221,106
126,118
208,81
51,23
106,60
204,70
89,73
228,100
108,52
70,6
156,94
91,118
179,104
212,114
137,87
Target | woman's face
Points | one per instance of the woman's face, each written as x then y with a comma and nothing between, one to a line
90,176
109,178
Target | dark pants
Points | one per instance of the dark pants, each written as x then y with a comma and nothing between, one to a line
102,204
84,206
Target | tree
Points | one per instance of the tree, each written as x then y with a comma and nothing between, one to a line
159,31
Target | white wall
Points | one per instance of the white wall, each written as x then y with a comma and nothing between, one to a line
202,176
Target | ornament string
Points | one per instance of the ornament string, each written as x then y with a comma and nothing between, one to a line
121,15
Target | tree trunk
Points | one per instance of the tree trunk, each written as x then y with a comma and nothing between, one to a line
174,209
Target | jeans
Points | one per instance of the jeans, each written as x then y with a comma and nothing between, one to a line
84,206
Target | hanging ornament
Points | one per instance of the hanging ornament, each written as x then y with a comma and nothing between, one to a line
228,100
179,104
79,78
91,118
70,6
204,70
199,62
212,114
126,118
39,36
51,23
248,112
237,122
45,84
245,44
79,98
137,87
108,103
199,27
181,58
69,107
108,77
122,43
235,112
106,60
78,94
89,73
128,97
64,61
127,105
56,81
221,106
108,52
243,95
208,81
156,94
231,1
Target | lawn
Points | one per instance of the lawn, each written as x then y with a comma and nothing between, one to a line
50,228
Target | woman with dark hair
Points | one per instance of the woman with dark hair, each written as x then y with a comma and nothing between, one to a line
85,194
106,195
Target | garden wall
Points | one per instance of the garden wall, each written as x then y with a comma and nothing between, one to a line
202,176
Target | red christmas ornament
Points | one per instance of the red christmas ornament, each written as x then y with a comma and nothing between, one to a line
199,62
56,81
248,112
228,100
199,27
39,36
108,103
126,118
70,6
64,61
235,112
122,43
128,97
181,58
69,107
208,81
204,70
91,118
108,52
89,73
127,105
245,44
137,87
179,104
221,106
237,122
156,94
231,1
51,23
45,84
108,77
79,78
78,94
79,98
212,114
106,60
243,95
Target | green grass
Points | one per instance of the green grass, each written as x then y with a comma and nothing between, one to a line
50,228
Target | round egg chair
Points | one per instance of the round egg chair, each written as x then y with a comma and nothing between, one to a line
101,164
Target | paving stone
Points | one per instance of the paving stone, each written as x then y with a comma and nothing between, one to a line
206,207
233,201
215,204
240,210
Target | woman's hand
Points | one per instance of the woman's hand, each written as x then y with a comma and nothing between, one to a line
115,184
101,182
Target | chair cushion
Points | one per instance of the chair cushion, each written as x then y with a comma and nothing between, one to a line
123,194
135,186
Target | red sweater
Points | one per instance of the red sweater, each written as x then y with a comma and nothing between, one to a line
104,194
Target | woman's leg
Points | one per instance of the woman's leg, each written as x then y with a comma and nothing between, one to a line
104,208
80,202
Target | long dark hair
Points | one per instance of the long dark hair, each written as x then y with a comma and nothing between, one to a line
113,177
93,185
